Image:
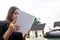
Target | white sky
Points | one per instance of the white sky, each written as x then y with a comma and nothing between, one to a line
46,10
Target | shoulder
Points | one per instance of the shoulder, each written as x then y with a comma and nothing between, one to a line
2,23
3,26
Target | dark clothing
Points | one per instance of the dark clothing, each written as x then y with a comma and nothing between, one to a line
14,36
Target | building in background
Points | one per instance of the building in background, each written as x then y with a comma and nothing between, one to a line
57,23
37,31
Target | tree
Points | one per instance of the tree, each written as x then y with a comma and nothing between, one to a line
36,21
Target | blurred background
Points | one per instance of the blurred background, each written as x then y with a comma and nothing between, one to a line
43,9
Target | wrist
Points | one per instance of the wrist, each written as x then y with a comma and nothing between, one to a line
10,29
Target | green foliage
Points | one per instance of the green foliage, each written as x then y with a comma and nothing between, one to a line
36,21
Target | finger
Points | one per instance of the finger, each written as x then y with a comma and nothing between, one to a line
17,26
14,21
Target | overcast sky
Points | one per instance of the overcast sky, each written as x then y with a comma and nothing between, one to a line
46,10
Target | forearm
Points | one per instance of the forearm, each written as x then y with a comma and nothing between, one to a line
7,33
